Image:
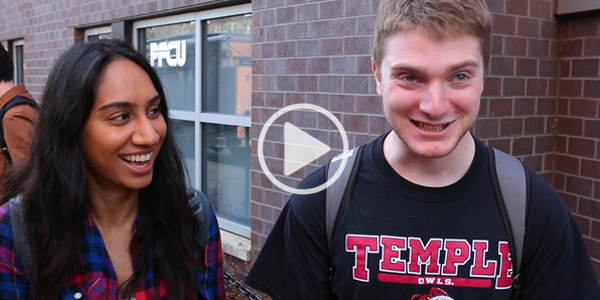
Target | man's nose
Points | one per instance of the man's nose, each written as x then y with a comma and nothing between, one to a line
434,102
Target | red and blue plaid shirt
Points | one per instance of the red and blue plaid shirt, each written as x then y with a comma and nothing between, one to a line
96,277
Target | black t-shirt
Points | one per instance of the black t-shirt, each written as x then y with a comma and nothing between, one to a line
400,240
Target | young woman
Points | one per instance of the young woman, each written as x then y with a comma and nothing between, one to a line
103,195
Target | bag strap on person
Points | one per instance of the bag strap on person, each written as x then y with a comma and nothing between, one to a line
341,188
22,248
17,100
510,181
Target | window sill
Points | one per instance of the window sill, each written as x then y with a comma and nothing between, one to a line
235,245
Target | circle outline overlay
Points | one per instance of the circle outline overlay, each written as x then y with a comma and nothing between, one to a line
261,140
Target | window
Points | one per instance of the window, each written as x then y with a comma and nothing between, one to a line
17,54
576,6
98,33
204,62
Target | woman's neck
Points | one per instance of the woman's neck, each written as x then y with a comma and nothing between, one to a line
114,209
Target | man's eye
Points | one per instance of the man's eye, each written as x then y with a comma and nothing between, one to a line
461,77
410,78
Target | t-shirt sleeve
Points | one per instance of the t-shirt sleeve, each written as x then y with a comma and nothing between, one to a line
13,284
294,262
556,263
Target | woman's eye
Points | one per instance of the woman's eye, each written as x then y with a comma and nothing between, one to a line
154,111
121,117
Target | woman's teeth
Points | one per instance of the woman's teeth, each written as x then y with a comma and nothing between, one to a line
137,158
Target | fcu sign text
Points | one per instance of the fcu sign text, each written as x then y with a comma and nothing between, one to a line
163,50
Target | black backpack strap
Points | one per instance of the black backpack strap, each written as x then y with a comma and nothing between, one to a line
201,208
339,191
22,247
510,180
17,100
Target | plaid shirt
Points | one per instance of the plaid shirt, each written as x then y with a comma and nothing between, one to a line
96,278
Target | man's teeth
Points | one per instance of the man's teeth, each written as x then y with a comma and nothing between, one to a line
427,127
137,158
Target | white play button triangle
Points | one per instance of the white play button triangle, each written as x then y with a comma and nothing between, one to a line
300,148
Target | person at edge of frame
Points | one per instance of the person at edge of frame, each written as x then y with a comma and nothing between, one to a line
104,197
422,221
18,122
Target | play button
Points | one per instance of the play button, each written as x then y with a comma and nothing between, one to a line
300,148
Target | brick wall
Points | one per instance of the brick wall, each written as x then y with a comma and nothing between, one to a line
49,26
518,104
577,170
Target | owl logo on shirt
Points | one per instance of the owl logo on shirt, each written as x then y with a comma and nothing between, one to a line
434,294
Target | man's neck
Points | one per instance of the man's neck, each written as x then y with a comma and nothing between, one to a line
433,172
5,86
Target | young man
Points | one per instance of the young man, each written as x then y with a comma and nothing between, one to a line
422,220
18,122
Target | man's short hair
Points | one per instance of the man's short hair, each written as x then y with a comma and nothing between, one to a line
440,19
7,68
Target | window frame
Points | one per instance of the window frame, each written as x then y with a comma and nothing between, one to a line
16,77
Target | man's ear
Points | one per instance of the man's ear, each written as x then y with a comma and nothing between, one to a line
377,75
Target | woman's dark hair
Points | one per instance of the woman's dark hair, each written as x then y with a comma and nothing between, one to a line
55,190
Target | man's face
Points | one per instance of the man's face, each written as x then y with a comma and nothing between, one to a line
431,90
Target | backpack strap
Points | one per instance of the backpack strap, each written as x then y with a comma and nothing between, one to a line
17,100
510,180
339,191
22,247
201,209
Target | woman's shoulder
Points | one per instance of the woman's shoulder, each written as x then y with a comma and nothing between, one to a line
5,224
4,213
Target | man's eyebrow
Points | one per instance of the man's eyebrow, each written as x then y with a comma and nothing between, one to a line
128,104
406,67
415,69
462,65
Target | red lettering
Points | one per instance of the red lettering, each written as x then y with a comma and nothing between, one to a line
458,252
361,245
482,268
424,255
390,260
504,280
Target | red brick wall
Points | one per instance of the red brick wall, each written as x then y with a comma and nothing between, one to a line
49,27
518,104
577,169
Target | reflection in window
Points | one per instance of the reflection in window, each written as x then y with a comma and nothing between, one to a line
100,36
226,157
186,138
228,66
171,51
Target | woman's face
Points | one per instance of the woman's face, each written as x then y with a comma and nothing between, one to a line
125,129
